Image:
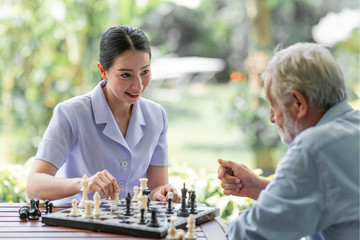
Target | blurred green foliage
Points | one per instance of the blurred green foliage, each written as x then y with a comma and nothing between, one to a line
13,179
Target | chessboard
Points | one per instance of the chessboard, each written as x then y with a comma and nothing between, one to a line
114,220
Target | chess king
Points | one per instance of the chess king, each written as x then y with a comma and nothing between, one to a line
106,132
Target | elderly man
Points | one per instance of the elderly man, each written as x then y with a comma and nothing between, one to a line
315,191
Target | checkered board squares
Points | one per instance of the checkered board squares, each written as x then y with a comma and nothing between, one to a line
117,222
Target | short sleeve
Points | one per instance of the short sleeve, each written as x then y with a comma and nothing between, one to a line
160,155
59,137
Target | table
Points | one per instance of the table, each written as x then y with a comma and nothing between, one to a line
12,227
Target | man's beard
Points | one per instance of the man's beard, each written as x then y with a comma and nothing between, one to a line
289,131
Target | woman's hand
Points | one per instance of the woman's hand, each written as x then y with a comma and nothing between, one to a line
161,193
104,183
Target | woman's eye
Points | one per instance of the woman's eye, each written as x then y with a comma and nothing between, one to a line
145,72
125,75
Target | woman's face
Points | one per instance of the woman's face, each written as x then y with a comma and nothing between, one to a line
128,76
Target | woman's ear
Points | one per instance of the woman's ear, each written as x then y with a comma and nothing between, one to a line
301,104
102,71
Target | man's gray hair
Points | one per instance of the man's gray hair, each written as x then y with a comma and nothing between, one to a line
310,69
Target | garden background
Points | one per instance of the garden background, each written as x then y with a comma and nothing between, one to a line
49,52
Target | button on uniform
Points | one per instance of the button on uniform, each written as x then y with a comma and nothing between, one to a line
121,184
124,164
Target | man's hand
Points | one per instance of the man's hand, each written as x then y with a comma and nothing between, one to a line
104,183
238,180
161,193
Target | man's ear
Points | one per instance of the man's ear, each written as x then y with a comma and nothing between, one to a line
102,70
301,104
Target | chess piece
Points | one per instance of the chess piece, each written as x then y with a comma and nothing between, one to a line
46,206
142,216
192,203
128,201
170,195
116,199
84,189
171,233
24,212
143,185
74,212
143,203
34,212
153,222
180,234
96,199
112,206
191,234
50,207
169,209
136,193
87,213
183,211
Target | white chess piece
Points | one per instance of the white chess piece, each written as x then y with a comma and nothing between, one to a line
142,203
143,185
180,234
171,233
136,194
87,213
96,211
84,189
191,234
74,212
116,200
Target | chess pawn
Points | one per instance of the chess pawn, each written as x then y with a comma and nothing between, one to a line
136,193
96,211
84,189
74,212
180,234
171,233
170,195
87,213
191,234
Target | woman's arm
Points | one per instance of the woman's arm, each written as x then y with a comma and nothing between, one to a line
43,184
158,183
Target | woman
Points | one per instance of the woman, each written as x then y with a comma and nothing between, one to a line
111,133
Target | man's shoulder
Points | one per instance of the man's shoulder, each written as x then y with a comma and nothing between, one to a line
344,128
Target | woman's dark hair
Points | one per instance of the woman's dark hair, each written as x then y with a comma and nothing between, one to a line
117,40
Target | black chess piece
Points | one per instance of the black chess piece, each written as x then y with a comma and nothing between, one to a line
169,209
188,202
128,201
142,218
46,206
193,203
153,222
24,212
183,211
34,212
50,207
